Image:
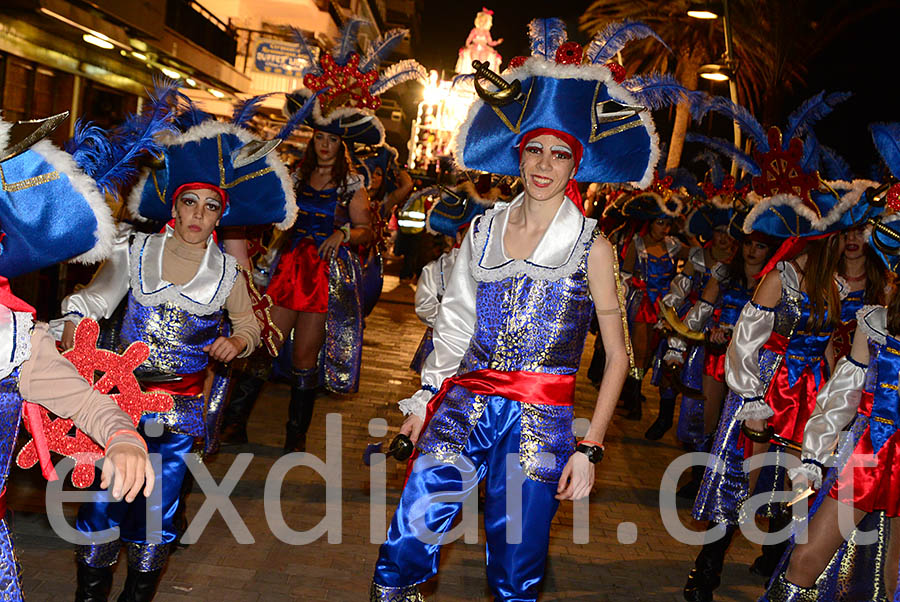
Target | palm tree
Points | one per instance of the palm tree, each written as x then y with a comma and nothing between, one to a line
774,40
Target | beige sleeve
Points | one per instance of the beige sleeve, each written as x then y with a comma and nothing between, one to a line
49,379
240,311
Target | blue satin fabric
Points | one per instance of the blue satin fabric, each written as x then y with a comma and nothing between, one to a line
734,298
514,570
806,350
131,518
656,272
885,414
315,214
372,282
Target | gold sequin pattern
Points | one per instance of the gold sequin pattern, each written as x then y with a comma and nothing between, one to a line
28,182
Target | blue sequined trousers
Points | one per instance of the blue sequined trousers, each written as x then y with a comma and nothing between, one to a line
147,551
522,324
10,417
514,570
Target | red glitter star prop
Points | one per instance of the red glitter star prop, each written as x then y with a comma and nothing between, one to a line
117,371
892,198
347,85
781,170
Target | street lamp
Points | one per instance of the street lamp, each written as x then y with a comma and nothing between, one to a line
705,10
726,70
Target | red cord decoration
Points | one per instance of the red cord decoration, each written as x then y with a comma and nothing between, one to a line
116,371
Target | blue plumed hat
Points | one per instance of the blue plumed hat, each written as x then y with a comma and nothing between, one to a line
257,187
456,207
576,91
371,158
350,85
790,199
50,210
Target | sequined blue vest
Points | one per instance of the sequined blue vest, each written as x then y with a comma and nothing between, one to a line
175,336
10,417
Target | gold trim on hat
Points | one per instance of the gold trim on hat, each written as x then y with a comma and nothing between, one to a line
28,182
515,129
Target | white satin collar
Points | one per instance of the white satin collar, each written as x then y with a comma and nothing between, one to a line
556,256
204,294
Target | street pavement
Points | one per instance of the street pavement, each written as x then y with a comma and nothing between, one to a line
629,555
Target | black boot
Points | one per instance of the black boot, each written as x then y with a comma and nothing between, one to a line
707,572
689,490
631,395
664,421
766,563
94,583
303,400
244,394
140,586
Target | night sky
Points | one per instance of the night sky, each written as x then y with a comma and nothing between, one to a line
864,62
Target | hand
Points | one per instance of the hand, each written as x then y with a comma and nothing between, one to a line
224,350
128,467
412,427
329,248
577,478
756,425
718,336
68,336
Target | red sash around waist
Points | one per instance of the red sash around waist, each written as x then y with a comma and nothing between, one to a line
187,385
3,504
524,387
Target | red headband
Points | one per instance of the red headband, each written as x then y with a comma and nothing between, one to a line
577,150
200,186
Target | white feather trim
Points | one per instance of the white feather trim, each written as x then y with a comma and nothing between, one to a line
872,320
778,200
850,193
87,188
134,197
537,66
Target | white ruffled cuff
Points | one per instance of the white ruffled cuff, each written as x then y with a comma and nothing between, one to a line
416,404
808,471
755,409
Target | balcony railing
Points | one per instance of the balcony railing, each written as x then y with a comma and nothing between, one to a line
193,21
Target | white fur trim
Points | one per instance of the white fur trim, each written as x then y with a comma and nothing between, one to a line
538,66
778,200
319,118
4,135
850,193
86,187
210,129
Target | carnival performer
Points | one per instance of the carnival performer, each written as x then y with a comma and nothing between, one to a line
66,217
316,282
513,321
708,224
779,354
189,302
860,394
450,215
649,264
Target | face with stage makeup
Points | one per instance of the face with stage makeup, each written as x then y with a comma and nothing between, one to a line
546,166
852,241
197,213
755,253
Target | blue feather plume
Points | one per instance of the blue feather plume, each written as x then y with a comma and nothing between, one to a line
832,166
811,111
716,173
728,149
307,51
656,91
347,43
246,109
462,78
397,74
189,114
810,158
381,48
701,104
607,43
886,137
298,116
682,177
546,35
111,158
